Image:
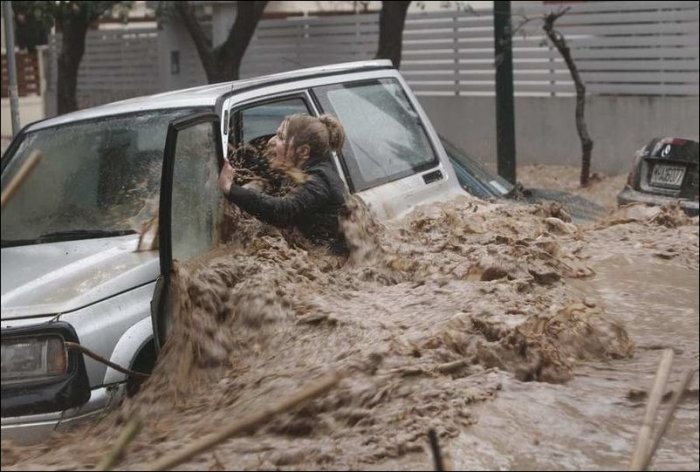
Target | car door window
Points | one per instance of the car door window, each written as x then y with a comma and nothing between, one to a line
256,123
195,195
385,139
190,201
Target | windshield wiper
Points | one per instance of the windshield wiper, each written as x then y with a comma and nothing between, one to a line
57,236
84,234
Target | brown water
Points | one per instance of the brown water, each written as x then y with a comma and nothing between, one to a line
592,422
522,339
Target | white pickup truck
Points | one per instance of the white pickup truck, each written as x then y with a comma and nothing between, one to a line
70,269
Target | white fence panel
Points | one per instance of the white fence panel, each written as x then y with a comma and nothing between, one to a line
627,48
116,65
281,45
636,48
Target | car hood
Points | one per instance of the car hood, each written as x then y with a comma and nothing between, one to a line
46,279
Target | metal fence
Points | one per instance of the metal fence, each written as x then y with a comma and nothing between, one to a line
297,42
117,64
629,48
620,48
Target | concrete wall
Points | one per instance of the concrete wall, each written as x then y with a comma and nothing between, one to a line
545,127
30,109
174,40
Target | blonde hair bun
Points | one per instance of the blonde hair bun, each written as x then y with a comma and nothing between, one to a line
336,135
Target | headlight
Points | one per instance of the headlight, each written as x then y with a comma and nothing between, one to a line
33,358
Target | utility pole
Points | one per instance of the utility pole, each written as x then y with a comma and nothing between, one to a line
11,65
505,110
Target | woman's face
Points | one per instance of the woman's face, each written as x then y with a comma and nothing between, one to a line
277,147
282,154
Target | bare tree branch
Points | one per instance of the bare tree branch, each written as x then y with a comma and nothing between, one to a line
560,43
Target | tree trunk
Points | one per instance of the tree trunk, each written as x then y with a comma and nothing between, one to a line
201,43
230,54
73,20
586,142
223,63
391,22
74,28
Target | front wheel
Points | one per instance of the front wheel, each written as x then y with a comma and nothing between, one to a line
144,363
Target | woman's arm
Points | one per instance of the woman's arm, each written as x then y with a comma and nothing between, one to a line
282,211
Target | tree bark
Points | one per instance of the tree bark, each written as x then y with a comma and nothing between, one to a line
392,18
223,63
200,40
586,143
230,54
73,20
74,28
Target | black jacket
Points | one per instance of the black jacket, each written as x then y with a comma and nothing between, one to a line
313,207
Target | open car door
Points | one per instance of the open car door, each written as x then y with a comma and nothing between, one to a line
190,205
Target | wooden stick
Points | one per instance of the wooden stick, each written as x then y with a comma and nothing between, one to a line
128,434
20,177
657,392
435,447
249,423
668,417
98,358
450,367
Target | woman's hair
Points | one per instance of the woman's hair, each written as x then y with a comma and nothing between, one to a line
322,134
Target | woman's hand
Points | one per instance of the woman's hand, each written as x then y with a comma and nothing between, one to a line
226,177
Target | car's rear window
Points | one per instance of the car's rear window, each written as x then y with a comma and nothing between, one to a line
385,139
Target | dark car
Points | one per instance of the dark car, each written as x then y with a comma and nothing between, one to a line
486,185
665,171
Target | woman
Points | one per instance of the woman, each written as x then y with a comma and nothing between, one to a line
302,148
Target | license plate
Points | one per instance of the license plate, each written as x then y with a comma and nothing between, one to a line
668,176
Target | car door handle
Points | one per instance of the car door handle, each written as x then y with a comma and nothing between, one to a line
431,177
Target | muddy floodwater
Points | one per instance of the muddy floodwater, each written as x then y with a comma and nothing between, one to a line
592,421
525,341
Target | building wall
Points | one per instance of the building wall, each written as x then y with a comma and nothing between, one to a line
178,62
545,127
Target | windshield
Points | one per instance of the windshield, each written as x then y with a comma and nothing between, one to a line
95,178
476,179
